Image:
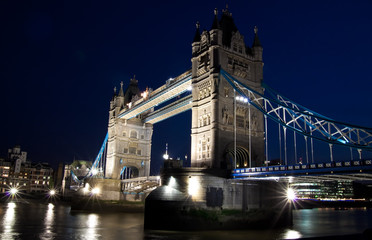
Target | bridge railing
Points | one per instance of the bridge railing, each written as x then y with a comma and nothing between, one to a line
360,167
140,184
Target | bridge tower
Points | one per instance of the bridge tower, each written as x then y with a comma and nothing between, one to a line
129,140
217,119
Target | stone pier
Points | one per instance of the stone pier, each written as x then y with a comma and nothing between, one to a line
204,199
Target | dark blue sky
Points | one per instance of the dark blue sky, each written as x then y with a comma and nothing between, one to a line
59,62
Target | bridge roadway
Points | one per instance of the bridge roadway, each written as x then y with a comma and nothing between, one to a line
350,170
173,88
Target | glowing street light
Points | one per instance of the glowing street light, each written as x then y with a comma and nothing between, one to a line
291,195
166,156
52,192
13,191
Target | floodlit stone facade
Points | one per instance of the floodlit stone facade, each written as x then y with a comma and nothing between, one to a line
129,140
213,118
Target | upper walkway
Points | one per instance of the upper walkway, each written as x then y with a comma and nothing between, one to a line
173,88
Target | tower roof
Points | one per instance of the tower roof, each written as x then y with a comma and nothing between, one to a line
227,26
132,90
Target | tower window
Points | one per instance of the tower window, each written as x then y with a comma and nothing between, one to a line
124,134
139,152
132,150
142,137
235,47
125,150
240,121
133,134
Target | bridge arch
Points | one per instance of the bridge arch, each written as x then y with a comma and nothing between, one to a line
128,172
242,156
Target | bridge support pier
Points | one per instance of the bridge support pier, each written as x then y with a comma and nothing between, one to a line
109,189
204,199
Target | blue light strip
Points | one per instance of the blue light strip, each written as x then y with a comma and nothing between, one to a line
99,156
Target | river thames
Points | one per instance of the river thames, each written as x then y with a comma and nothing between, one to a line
32,220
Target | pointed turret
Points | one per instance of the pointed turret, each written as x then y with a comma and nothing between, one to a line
256,46
121,92
215,32
215,24
197,33
256,41
196,42
114,95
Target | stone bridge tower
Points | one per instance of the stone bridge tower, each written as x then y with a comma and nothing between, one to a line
213,118
129,140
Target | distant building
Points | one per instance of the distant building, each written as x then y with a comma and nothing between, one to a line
41,178
4,174
17,171
324,189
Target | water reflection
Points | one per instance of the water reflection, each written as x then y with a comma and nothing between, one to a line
92,224
34,220
9,221
48,223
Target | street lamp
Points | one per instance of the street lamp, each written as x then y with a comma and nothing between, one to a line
166,156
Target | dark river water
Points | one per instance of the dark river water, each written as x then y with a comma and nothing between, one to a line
30,220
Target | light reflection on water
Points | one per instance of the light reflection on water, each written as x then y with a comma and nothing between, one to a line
32,220
92,223
48,223
8,221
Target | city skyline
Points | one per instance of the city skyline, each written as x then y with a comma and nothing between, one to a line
61,61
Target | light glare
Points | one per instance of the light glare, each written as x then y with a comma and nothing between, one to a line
13,191
291,195
94,171
193,186
96,191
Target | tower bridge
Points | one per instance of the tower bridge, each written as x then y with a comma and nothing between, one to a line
231,111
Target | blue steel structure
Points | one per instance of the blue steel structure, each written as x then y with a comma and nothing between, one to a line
95,166
302,120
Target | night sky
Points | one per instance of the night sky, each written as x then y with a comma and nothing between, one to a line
60,61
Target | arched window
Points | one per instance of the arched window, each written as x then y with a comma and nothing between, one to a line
133,134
